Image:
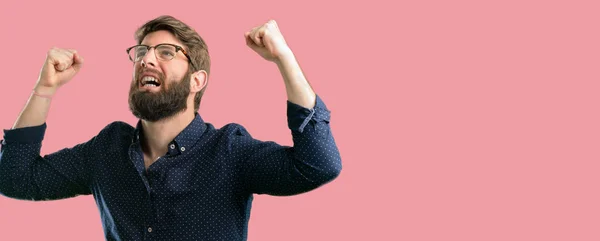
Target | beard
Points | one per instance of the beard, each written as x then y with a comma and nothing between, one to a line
168,101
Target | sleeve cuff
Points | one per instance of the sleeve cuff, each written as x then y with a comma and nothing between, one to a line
31,134
299,116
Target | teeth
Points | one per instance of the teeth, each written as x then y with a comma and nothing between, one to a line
150,80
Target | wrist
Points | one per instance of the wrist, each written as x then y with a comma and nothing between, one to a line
285,58
44,91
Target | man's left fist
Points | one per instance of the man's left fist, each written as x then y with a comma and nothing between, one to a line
268,42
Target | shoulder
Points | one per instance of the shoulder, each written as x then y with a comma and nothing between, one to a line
116,130
230,134
118,126
234,129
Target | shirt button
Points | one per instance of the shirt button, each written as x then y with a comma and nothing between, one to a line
182,148
172,146
149,230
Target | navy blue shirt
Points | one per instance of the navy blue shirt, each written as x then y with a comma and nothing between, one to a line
201,189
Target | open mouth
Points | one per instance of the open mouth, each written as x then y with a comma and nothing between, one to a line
149,81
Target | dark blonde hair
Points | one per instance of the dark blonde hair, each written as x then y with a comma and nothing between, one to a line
193,43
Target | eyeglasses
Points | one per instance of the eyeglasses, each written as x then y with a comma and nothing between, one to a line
164,52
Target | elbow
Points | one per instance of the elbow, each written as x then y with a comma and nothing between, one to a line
10,190
5,184
4,178
332,171
5,190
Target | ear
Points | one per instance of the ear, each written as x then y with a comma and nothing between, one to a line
198,81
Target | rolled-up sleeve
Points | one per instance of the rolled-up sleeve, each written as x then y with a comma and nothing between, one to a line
26,175
313,161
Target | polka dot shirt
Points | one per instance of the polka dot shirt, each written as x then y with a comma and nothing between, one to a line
201,189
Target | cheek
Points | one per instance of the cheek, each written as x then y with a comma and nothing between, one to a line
173,74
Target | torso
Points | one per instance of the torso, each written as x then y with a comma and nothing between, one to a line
149,160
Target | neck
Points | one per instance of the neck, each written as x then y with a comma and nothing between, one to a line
158,134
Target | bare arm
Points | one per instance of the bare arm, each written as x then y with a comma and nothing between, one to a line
314,160
269,43
24,174
297,87
60,67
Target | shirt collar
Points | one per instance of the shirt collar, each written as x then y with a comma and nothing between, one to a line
185,140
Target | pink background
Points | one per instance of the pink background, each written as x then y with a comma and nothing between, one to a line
456,120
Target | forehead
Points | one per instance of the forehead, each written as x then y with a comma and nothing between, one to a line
160,37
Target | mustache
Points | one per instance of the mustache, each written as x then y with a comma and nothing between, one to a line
139,72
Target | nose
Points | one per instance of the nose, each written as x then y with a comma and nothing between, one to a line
149,59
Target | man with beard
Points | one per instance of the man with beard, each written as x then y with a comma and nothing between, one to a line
172,176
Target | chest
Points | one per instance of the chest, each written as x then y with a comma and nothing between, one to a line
148,161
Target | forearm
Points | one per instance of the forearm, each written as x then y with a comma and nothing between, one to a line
36,109
297,87
59,68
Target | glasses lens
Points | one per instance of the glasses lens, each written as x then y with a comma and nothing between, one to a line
165,52
137,53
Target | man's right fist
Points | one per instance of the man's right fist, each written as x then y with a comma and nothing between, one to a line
60,67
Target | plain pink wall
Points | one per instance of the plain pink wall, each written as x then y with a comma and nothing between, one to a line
456,120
